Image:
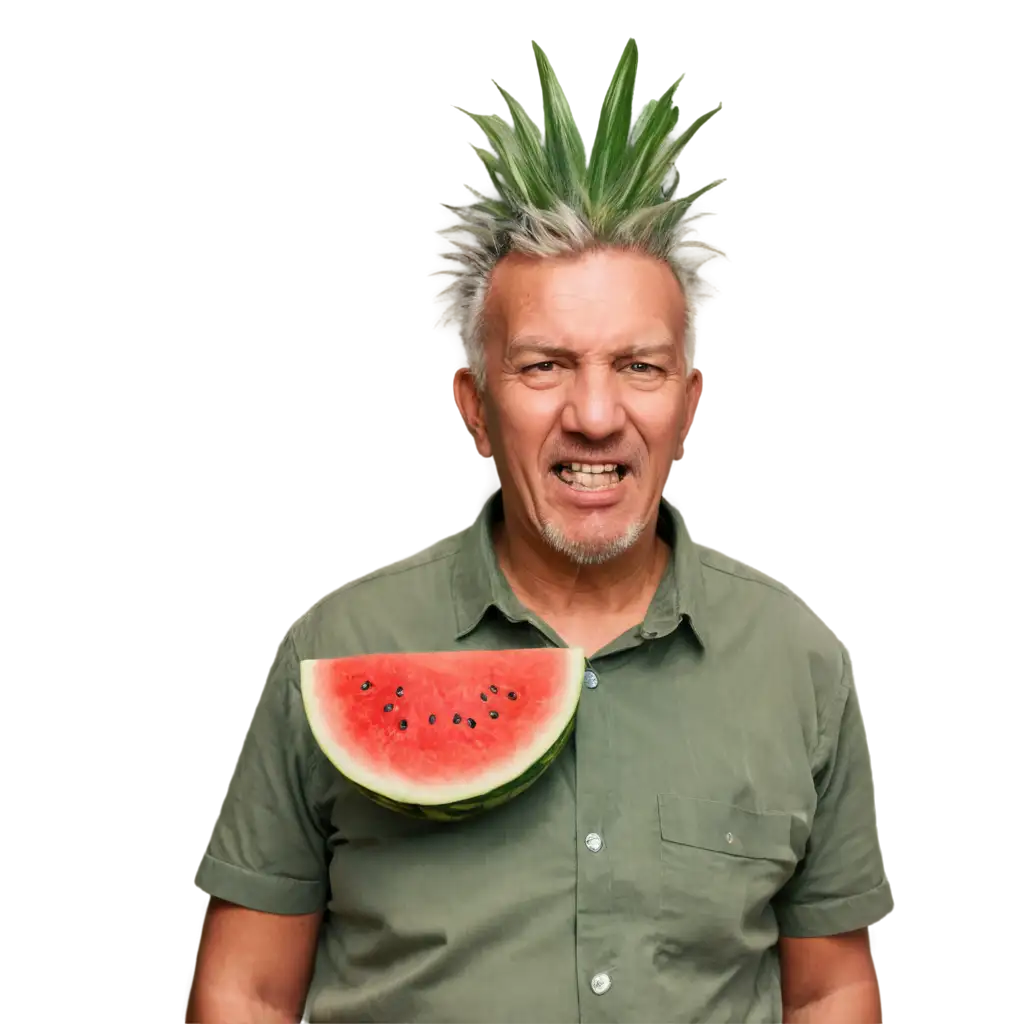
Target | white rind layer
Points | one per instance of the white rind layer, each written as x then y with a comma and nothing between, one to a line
408,792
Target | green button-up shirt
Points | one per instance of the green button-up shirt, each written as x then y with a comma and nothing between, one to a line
717,794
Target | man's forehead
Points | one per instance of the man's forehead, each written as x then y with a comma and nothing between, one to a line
612,298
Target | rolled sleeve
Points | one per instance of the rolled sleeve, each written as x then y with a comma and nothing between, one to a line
268,849
840,885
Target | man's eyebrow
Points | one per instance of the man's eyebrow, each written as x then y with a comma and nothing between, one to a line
654,348
528,343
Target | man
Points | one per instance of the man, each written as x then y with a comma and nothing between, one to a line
706,847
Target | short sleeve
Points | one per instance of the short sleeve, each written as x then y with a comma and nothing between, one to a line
268,849
840,885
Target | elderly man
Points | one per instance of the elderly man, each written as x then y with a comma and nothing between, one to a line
705,848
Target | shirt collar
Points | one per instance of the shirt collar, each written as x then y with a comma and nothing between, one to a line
478,582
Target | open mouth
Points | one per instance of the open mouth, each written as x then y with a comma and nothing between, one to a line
590,476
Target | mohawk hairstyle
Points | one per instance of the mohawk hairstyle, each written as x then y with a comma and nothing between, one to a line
551,201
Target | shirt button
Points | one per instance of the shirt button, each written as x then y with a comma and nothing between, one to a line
600,983
729,837
590,679
594,842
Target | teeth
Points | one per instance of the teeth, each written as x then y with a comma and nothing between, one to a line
576,467
590,481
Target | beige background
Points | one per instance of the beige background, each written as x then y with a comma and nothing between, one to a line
217,396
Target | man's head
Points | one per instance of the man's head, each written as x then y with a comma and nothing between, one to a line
575,303
588,400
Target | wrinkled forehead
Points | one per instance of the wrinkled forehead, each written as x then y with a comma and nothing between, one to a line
595,301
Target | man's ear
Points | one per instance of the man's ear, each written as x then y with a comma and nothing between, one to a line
694,389
471,407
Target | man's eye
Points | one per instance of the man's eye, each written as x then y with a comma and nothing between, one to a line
549,364
641,367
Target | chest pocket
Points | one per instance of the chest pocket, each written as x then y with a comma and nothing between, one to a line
720,866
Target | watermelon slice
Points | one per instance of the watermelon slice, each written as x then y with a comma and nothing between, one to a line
443,735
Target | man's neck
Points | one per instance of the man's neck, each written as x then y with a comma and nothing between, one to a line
556,587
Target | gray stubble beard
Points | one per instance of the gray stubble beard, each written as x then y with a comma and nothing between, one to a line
591,553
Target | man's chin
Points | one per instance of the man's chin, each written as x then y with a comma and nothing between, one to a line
591,550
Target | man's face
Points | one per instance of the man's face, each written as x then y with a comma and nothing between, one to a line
585,367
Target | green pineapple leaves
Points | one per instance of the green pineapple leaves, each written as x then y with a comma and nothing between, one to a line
561,143
631,177
611,143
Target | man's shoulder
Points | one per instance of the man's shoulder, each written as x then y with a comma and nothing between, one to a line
717,563
431,560
732,587
404,602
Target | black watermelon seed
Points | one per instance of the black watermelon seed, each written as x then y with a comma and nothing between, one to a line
389,707
457,719
494,714
432,719
471,723
400,692
512,695
403,724
493,689
365,685
483,696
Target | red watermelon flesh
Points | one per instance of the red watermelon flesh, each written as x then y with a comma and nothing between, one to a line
499,718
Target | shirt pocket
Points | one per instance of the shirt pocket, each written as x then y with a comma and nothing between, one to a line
720,866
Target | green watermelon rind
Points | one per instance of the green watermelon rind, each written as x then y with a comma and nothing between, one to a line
463,809
470,805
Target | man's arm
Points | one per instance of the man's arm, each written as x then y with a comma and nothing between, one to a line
829,980
840,886
266,866
252,967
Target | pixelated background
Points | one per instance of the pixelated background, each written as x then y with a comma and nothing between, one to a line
225,393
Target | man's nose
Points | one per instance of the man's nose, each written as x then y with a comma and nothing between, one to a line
593,405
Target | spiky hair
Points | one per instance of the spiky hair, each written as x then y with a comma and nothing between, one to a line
551,201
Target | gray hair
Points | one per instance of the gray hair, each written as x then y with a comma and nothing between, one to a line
542,198
559,231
